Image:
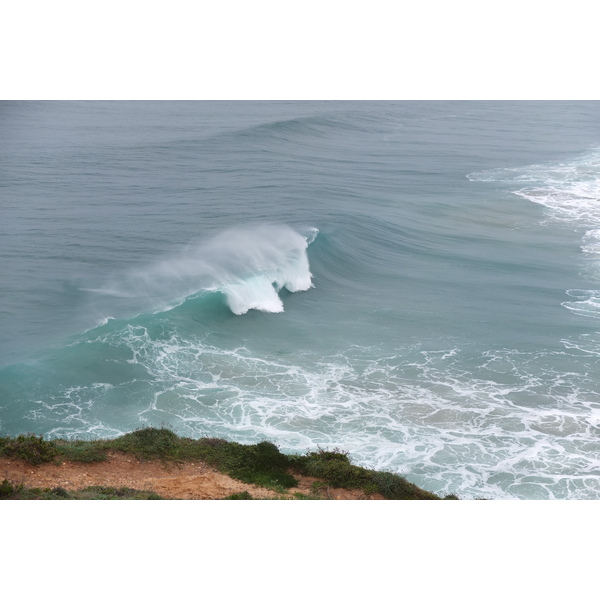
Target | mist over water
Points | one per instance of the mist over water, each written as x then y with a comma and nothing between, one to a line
415,282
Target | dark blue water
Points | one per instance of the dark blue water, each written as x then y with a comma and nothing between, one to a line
416,282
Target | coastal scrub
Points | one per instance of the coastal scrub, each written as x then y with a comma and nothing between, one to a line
260,464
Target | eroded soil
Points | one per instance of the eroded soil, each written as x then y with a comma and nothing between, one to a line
187,481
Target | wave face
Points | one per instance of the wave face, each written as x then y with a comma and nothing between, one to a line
448,252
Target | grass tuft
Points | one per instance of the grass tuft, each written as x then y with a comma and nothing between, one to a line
82,451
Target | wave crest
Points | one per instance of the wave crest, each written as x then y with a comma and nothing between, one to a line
249,265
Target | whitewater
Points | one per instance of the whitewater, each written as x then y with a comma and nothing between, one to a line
249,266
415,282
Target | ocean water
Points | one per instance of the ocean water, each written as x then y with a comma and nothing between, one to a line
415,282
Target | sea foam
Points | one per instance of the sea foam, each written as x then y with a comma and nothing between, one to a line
570,193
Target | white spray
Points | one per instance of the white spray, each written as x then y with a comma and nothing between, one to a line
249,265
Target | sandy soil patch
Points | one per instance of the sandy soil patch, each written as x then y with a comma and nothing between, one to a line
187,481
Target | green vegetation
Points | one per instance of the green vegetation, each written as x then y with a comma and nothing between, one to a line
240,496
31,448
334,468
11,491
82,451
261,464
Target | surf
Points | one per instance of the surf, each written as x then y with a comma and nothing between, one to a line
248,265
569,191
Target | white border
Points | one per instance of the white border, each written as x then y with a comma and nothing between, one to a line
265,49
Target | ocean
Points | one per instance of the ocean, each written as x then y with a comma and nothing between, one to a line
415,282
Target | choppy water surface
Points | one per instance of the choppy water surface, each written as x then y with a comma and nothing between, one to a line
416,282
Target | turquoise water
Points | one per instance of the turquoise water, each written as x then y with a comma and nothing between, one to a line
415,282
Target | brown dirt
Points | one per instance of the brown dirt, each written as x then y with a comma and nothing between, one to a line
188,481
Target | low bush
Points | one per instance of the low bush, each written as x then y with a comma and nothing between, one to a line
149,442
8,490
31,448
240,496
335,468
261,464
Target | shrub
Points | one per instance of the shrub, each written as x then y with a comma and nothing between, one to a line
31,448
261,464
7,490
240,496
148,443
334,467
60,493
396,487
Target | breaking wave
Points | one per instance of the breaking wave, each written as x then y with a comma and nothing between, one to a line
248,265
